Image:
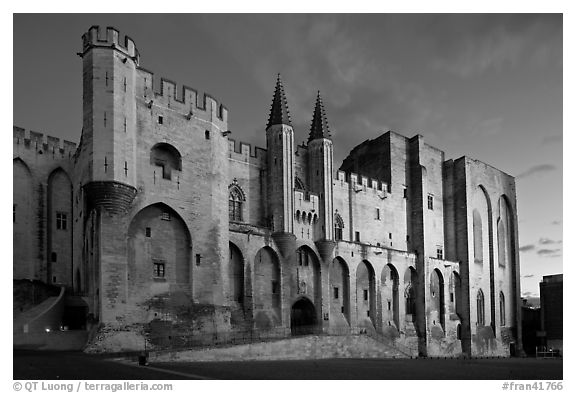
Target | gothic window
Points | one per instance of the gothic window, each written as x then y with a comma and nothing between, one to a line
439,252
480,308
502,310
477,231
235,201
166,157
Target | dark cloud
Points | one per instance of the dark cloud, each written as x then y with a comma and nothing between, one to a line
536,169
528,276
549,241
549,252
528,247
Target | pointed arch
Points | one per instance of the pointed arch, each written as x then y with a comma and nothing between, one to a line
390,282
437,298
267,290
60,227
480,309
502,309
24,224
366,291
309,276
159,251
340,289
410,279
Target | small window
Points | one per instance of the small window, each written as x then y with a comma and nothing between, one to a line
198,259
160,119
335,292
357,236
389,305
430,202
405,191
365,294
439,253
14,213
159,269
166,216
53,257
389,235
451,298
148,232
61,221
377,213
275,287
207,134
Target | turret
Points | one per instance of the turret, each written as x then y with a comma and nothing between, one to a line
280,146
109,121
320,164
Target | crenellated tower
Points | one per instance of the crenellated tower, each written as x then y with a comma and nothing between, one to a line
320,164
280,146
109,120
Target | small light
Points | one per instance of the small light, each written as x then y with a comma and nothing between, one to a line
47,330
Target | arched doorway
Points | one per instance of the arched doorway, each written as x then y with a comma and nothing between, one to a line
302,317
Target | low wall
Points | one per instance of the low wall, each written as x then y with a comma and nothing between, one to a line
310,347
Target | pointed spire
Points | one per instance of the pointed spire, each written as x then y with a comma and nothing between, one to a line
319,128
279,113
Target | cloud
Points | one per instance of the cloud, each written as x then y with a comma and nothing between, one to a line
549,241
528,247
549,252
536,169
528,276
557,222
498,43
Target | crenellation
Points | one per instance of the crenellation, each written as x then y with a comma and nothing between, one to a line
43,143
95,37
186,99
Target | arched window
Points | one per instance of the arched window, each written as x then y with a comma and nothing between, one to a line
480,308
338,226
502,310
235,199
477,230
167,157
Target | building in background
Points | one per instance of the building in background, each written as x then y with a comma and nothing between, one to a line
158,224
551,310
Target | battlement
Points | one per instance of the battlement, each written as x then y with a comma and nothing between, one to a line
183,98
243,151
43,143
306,201
361,183
96,37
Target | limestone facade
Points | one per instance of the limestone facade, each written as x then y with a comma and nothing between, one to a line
162,222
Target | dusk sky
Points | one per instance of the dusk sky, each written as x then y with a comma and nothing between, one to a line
485,86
